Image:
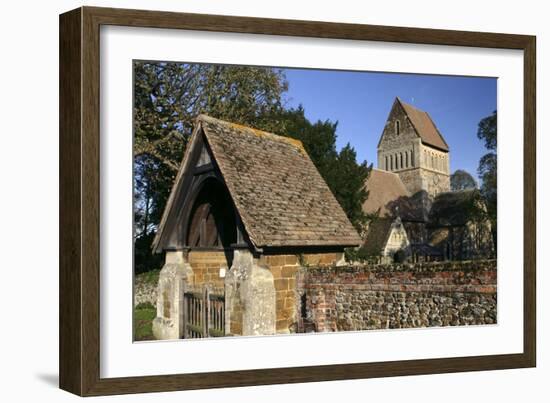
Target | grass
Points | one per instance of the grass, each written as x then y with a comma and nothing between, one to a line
151,277
143,321
144,313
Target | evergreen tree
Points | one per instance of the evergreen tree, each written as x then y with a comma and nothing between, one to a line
462,180
167,98
487,170
343,174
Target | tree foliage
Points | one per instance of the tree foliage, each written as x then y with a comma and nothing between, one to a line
487,170
487,131
168,97
462,180
343,174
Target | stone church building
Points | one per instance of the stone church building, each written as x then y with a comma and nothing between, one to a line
248,209
387,241
412,183
249,212
412,147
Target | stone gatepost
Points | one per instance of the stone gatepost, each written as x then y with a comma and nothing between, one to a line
175,276
249,297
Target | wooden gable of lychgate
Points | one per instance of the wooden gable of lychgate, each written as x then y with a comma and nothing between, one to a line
201,213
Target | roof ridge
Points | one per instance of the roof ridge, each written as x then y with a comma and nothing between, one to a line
405,105
262,133
454,192
384,171
437,129
417,129
411,105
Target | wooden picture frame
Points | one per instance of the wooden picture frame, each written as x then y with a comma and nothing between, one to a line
79,347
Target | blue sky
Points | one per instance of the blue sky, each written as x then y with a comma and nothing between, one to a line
361,102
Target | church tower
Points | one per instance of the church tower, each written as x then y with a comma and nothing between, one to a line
412,147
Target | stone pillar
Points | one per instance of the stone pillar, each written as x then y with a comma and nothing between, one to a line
249,297
175,275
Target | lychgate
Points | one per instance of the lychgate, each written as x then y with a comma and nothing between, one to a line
248,209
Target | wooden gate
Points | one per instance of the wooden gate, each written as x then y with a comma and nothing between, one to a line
203,314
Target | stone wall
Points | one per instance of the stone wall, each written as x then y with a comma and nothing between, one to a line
435,182
209,267
397,296
418,179
284,269
391,140
145,289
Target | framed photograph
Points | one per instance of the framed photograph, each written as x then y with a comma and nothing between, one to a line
249,201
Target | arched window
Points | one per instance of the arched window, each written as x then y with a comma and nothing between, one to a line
412,159
401,160
397,128
386,163
406,159
396,161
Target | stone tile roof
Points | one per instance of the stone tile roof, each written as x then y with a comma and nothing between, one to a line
425,249
425,127
281,197
384,188
377,236
455,208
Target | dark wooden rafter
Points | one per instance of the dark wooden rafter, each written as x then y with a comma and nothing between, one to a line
203,171
211,221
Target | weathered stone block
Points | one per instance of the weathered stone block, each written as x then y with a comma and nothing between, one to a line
250,288
175,275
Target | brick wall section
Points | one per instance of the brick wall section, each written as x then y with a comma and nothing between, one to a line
206,267
206,271
398,296
285,269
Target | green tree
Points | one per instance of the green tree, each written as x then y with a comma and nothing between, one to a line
348,185
462,180
167,98
343,174
487,170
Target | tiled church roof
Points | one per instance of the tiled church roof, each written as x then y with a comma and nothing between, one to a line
377,236
456,208
425,127
384,188
278,192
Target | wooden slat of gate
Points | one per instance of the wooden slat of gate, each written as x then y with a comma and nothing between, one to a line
216,325
204,314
